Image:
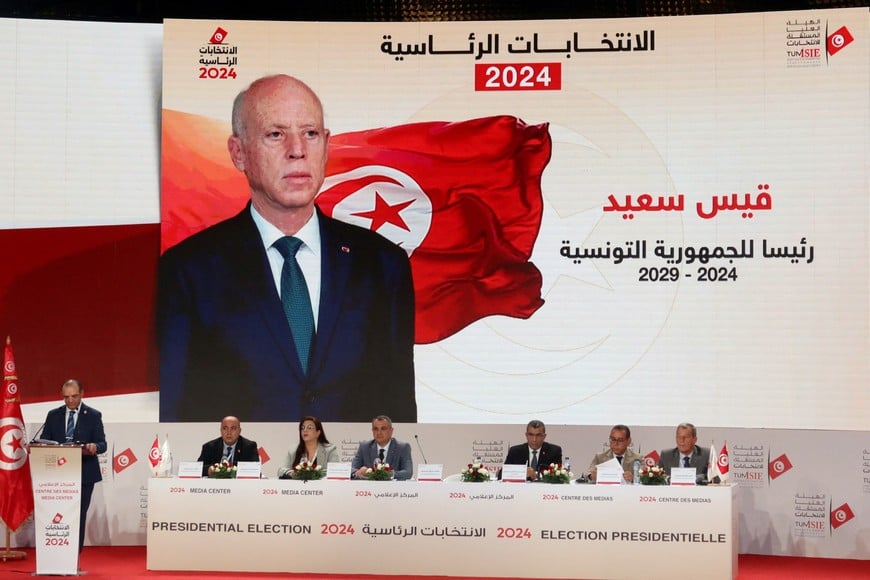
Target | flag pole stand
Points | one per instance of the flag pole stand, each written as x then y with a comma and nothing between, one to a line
9,554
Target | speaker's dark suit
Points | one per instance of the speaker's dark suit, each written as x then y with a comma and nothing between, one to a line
519,455
226,347
700,459
89,429
213,451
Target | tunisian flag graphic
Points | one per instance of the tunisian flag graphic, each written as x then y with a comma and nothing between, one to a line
462,198
16,487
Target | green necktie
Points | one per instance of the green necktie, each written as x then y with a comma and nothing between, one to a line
295,298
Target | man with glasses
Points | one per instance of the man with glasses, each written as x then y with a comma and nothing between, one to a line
536,454
230,446
620,441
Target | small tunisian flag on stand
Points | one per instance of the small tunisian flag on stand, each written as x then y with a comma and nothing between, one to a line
717,470
154,455
16,487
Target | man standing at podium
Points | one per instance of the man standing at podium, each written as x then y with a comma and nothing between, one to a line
76,422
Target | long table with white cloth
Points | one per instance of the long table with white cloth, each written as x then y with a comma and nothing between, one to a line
490,529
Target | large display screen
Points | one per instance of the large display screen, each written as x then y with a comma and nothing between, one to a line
634,220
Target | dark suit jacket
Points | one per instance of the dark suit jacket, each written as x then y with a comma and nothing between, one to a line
669,458
226,347
398,457
213,451
519,455
89,429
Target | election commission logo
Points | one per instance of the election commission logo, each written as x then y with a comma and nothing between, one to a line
11,437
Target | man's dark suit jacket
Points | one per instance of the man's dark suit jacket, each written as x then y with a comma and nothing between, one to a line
700,459
226,347
547,454
213,451
89,429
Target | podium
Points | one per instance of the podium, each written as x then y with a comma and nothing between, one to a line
56,471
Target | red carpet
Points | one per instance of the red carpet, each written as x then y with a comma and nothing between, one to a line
129,562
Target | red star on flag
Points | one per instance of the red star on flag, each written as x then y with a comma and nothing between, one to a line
385,213
16,444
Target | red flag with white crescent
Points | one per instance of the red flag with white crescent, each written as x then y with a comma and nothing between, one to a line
724,462
154,453
16,486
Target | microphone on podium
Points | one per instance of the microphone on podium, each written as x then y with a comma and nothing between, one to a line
421,448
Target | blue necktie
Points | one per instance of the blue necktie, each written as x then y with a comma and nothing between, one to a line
71,425
294,297
535,459
685,462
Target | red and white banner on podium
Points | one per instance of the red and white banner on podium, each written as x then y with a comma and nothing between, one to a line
57,489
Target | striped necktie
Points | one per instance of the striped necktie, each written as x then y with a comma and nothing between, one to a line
71,425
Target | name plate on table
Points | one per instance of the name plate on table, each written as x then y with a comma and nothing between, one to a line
190,469
513,473
683,475
337,470
609,474
430,472
248,470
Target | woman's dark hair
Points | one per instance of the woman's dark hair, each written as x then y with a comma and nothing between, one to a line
300,449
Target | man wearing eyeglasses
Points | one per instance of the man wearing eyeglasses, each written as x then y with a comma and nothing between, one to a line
230,446
620,441
535,453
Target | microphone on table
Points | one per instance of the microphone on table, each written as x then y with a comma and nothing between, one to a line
421,448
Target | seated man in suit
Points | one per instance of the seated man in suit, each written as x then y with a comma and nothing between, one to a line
383,449
536,454
75,422
230,446
620,440
283,311
686,453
